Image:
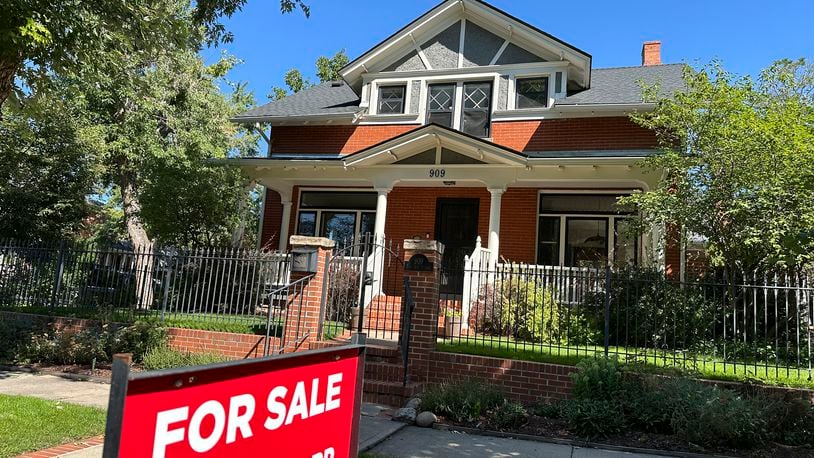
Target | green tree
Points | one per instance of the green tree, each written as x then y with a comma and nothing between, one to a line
39,38
47,168
327,70
738,161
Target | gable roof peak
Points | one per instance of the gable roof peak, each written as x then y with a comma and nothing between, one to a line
449,12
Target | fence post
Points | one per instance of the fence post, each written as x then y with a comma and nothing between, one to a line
302,319
58,273
422,268
607,308
166,286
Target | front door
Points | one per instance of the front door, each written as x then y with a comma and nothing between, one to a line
456,226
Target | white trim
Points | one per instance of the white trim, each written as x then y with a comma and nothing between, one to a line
500,52
450,72
461,43
420,53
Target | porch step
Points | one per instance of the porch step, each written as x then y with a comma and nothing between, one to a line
384,372
393,394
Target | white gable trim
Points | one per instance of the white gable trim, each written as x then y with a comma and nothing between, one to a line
430,137
449,13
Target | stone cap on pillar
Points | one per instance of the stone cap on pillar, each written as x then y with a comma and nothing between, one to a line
421,245
301,241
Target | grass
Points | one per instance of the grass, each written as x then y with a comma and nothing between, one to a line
644,359
28,424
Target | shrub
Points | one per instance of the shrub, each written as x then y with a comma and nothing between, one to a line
164,357
594,417
721,417
14,336
520,308
599,378
549,409
138,339
509,415
463,402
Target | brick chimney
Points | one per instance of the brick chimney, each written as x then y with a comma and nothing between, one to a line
651,53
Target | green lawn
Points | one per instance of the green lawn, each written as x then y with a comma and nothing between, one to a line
647,359
28,424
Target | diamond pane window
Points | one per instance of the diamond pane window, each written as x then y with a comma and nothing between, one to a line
391,99
477,103
440,101
532,93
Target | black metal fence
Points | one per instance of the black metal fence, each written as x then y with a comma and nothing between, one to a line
747,325
188,287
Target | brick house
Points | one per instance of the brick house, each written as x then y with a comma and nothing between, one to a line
468,124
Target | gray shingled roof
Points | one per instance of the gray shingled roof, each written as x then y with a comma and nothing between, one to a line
621,84
324,99
608,86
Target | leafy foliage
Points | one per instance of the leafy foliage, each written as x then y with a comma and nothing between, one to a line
463,402
738,155
164,357
509,415
598,379
594,417
327,70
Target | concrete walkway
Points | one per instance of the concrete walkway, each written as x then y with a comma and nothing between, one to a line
413,442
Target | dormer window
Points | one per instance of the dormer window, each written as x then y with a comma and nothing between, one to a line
391,99
531,93
476,112
440,104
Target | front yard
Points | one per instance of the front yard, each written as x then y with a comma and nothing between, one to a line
30,424
647,359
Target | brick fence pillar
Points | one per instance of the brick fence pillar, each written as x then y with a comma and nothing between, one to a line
422,269
305,300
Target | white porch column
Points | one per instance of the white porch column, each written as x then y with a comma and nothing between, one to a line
381,213
285,223
494,223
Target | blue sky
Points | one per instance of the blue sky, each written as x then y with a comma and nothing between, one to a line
746,35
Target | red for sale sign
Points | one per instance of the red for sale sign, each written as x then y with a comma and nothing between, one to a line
301,405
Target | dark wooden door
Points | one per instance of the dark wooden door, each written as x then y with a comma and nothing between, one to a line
456,226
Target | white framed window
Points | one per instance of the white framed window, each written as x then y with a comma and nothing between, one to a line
392,99
581,230
476,108
531,92
343,216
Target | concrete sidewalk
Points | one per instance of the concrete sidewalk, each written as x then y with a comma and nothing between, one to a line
413,442
374,426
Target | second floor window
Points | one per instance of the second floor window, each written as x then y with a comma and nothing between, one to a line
440,102
532,93
476,112
391,99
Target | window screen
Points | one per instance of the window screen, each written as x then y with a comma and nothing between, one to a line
532,93
475,116
440,100
391,99
307,224
586,242
548,250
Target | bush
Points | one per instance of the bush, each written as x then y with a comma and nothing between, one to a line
549,409
599,379
97,344
14,336
509,415
721,417
594,417
520,308
138,339
463,402
164,357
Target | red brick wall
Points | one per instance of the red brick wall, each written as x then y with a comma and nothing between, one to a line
523,381
617,132
272,219
332,139
224,343
572,134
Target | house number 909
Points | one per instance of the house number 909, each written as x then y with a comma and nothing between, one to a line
438,173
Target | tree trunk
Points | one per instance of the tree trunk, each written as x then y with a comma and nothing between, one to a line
8,70
242,214
143,246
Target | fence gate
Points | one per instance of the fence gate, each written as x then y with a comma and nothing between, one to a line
363,290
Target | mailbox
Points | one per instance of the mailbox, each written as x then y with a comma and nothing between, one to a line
304,260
